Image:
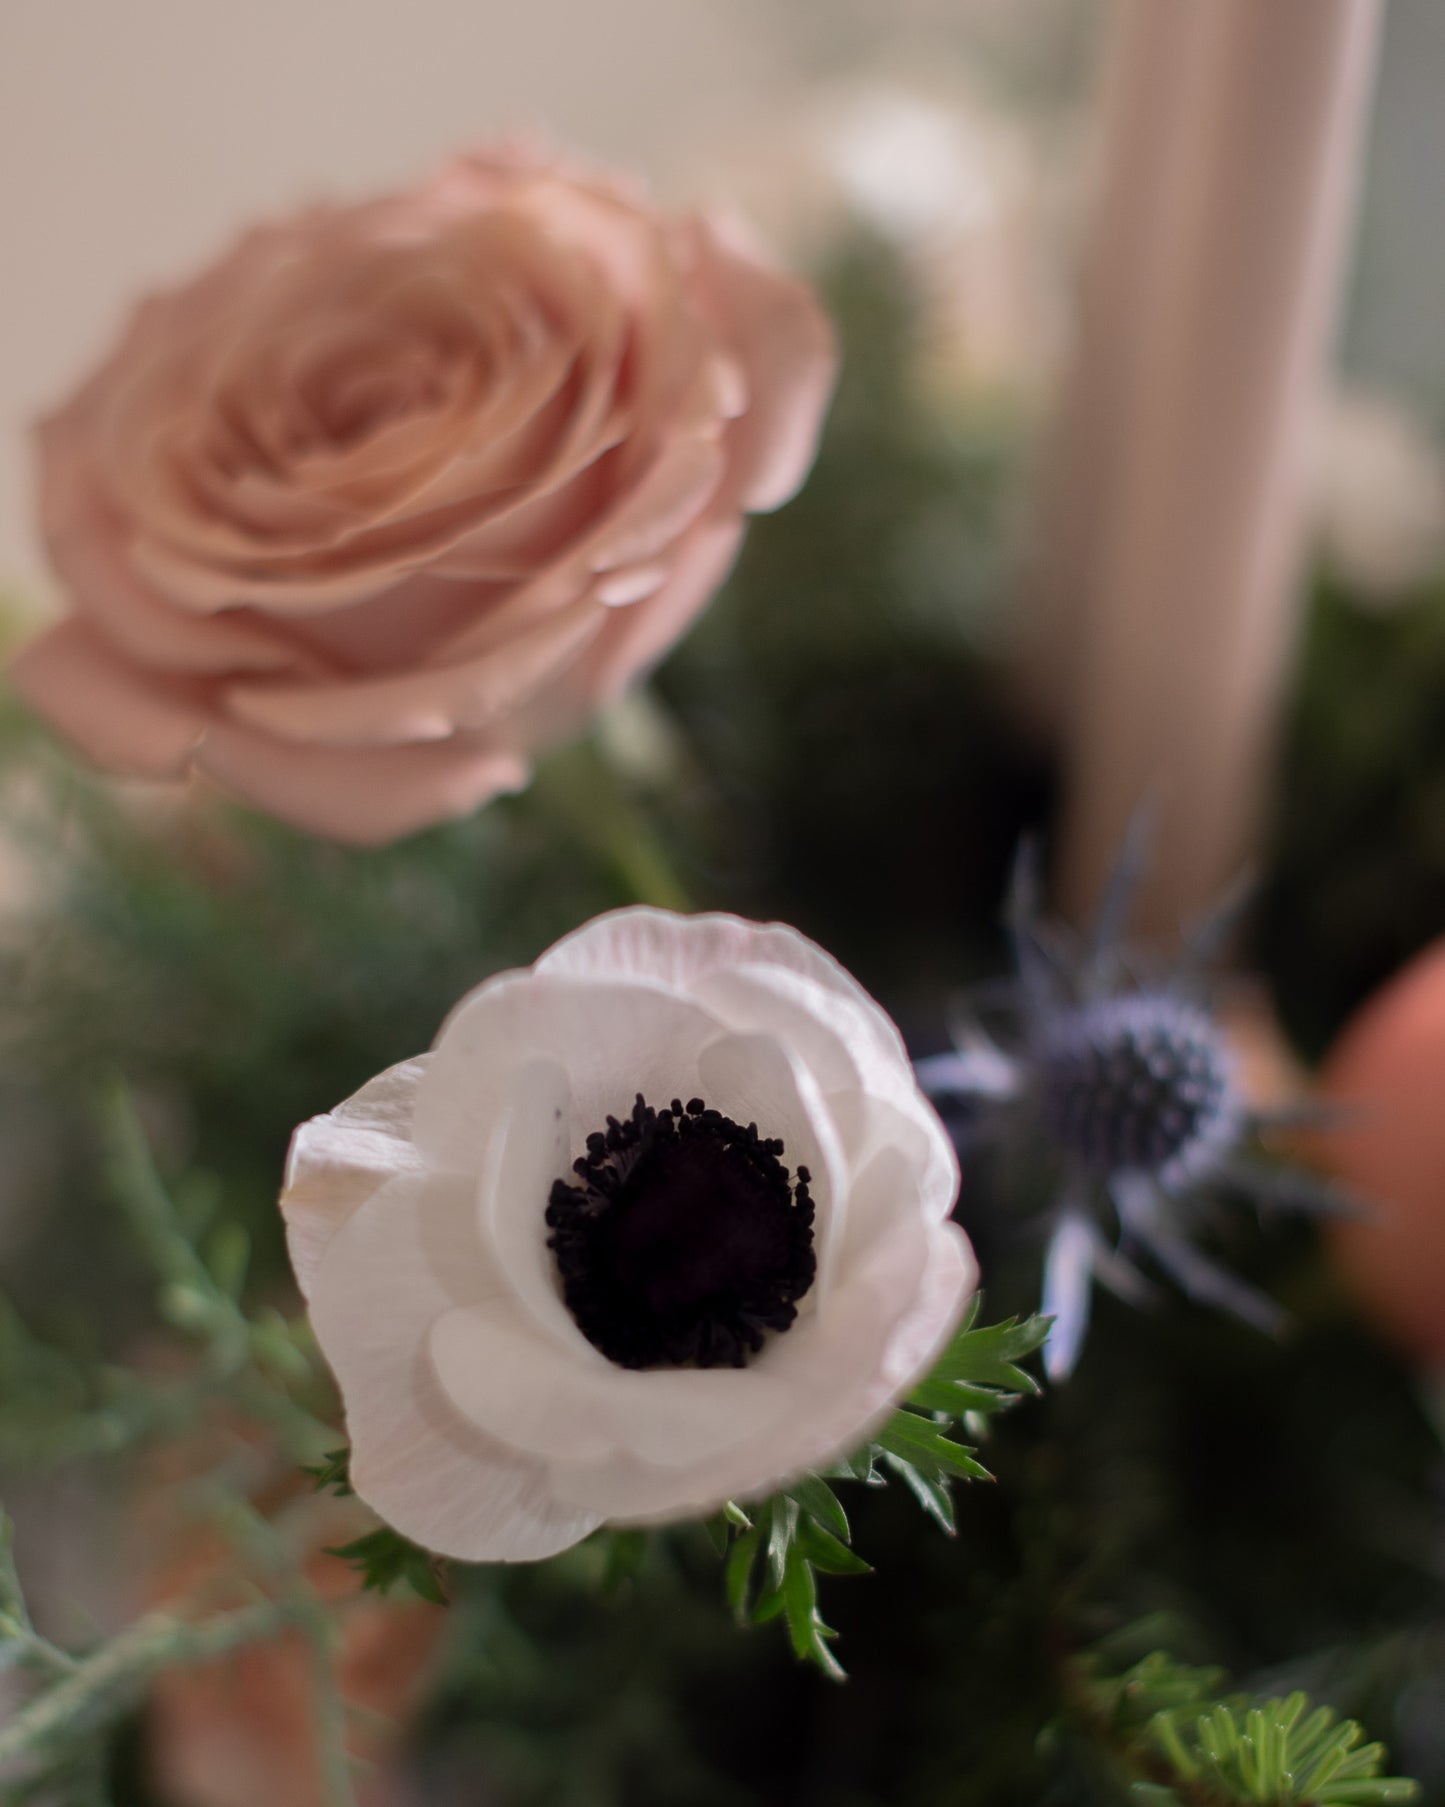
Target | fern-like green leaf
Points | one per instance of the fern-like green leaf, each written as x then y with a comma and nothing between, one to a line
332,1471
384,1560
1180,1743
773,1559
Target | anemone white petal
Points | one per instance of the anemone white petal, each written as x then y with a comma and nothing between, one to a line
408,1254
947,1283
835,1406
762,1083
614,1038
845,1040
679,951
871,1126
337,1160
530,1148
528,1395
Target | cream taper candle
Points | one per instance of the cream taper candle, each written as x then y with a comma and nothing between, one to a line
1172,532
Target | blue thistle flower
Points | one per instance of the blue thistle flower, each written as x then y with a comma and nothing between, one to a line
1141,1081
1125,1078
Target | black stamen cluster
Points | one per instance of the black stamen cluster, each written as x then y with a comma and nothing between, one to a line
1138,1081
681,1242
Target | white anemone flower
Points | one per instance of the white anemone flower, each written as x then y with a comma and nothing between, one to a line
661,1221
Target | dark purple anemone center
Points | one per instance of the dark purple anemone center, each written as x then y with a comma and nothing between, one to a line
681,1240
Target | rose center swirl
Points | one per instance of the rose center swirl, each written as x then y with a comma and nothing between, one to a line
681,1240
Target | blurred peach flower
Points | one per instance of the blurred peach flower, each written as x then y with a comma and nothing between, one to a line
1386,1072
396,492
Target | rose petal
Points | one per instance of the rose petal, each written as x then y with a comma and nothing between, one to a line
606,516
413,622
418,706
630,583
376,471
635,637
789,354
373,562
364,795
85,543
124,719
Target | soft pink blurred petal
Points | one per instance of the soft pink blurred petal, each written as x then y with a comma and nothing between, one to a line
363,795
790,357
117,715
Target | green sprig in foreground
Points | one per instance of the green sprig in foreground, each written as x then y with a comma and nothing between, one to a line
256,1363
1180,1745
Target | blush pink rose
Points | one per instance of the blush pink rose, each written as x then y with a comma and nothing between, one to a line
397,492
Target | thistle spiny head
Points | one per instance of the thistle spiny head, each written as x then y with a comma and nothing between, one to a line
1137,1082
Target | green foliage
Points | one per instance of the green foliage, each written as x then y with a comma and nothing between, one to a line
976,1377
265,1362
979,1371
58,1405
624,1553
21,1646
775,1553
788,1545
1183,1746
52,1748
242,976
332,1473
384,1559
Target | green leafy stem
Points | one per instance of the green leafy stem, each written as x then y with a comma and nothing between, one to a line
58,1407
774,1553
